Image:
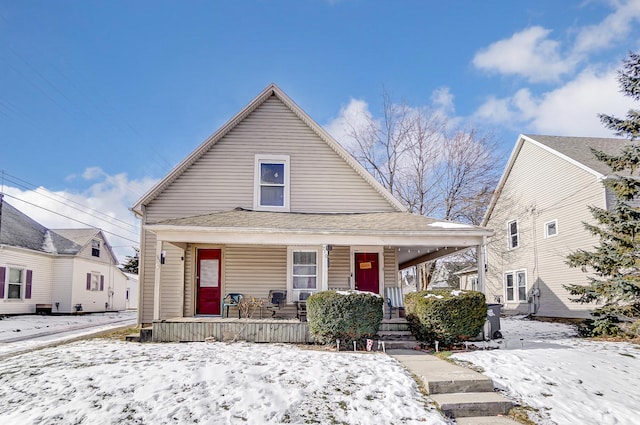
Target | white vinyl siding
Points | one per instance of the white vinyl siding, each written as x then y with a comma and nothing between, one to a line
41,265
171,282
254,270
527,198
339,268
391,271
275,130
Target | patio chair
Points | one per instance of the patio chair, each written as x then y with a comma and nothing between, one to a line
232,300
277,300
301,306
395,300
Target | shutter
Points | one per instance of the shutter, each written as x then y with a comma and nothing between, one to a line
102,282
3,273
27,292
88,281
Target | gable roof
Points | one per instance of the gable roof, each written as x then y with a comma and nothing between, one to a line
271,90
575,150
19,230
83,237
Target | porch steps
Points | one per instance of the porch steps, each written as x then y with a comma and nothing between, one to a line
461,393
396,335
143,336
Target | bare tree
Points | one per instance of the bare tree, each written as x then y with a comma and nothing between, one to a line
434,168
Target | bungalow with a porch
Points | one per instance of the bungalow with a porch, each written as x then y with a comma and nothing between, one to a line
272,202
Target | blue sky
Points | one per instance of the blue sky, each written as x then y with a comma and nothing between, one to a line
99,99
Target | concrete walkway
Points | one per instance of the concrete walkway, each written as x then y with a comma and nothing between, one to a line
461,393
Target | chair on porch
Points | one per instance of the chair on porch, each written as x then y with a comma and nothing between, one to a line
232,300
277,300
395,300
301,306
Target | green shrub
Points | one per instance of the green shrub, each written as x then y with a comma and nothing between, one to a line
348,316
446,316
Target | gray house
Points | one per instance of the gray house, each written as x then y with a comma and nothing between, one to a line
271,202
537,212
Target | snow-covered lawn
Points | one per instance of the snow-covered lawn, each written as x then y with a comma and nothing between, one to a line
105,381
569,380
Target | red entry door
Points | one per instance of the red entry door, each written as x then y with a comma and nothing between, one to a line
367,273
208,282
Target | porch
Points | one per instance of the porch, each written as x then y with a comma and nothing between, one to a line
293,331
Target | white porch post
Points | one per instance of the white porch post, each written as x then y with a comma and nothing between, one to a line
156,282
480,251
324,285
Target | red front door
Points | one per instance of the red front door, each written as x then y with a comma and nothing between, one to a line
208,282
367,274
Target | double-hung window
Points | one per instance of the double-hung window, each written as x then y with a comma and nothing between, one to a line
16,283
304,268
271,183
95,248
512,234
516,285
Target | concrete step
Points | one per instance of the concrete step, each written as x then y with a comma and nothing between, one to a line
132,338
401,345
461,405
486,420
394,325
146,334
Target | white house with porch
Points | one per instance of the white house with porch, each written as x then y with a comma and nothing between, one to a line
271,202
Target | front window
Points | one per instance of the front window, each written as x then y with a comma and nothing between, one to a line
304,273
271,190
15,284
516,285
95,248
512,230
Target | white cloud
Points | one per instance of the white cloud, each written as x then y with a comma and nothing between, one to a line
355,115
110,198
442,99
614,27
529,53
570,109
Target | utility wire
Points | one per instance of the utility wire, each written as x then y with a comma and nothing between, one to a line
70,218
18,181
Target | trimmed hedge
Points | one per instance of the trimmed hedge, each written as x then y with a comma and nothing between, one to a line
446,316
345,315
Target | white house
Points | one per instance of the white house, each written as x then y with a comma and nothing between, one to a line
65,271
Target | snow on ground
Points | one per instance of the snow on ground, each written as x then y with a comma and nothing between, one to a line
569,380
22,333
107,381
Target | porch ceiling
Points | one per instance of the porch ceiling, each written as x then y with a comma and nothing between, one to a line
413,235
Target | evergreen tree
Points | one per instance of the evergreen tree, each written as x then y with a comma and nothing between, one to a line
131,265
615,286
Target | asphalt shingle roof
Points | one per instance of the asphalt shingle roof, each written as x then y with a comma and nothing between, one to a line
577,148
314,222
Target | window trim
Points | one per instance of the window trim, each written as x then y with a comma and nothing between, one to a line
293,294
95,248
510,235
546,228
271,159
93,276
22,283
516,286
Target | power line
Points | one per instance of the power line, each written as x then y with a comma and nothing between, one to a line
18,181
70,218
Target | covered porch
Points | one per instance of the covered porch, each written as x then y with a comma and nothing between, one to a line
199,260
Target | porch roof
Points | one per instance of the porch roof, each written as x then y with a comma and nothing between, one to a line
414,235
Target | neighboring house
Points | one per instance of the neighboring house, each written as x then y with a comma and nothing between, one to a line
271,201
131,296
537,212
468,279
63,269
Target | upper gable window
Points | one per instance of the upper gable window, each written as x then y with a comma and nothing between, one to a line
271,183
512,230
551,229
95,248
